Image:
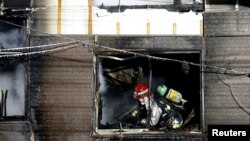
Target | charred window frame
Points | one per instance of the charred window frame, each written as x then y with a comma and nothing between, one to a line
14,101
155,72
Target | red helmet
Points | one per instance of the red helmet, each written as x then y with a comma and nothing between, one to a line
141,90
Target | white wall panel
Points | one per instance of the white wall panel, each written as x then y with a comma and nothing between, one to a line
188,24
45,17
74,17
75,20
134,22
104,23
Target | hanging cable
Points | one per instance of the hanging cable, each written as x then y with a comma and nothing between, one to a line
230,90
36,47
44,52
226,70
235,99
87,43
28,28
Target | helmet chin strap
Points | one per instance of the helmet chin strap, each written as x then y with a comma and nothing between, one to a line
147,102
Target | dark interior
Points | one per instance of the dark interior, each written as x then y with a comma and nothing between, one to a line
117,94
230,2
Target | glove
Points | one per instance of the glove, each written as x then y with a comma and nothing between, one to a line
135,113
143,121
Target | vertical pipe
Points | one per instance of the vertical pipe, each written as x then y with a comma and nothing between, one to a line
150,91
237,5
90,28
119,6
59,17
148,28
150,75
32,132
118,28
174,28
1,102
5,102
202,86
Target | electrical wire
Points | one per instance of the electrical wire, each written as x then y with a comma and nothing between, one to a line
88,43
36,47
230,90
44,52
49,48
28,28
236,72
235,99
227,71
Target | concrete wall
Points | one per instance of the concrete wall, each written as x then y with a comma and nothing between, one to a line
227,24
60,90
14,131
227,44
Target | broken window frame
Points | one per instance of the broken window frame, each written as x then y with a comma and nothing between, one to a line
23,21
121,131
3,99
26,102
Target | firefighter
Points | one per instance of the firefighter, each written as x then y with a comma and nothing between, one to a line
161,111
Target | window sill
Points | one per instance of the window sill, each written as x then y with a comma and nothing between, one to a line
149,134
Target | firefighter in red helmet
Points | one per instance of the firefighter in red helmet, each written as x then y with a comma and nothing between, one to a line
161,112
141,92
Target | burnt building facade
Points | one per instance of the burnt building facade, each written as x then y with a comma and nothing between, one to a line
68,91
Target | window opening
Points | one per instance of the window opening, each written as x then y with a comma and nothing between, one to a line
118,76
12,83
12,71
